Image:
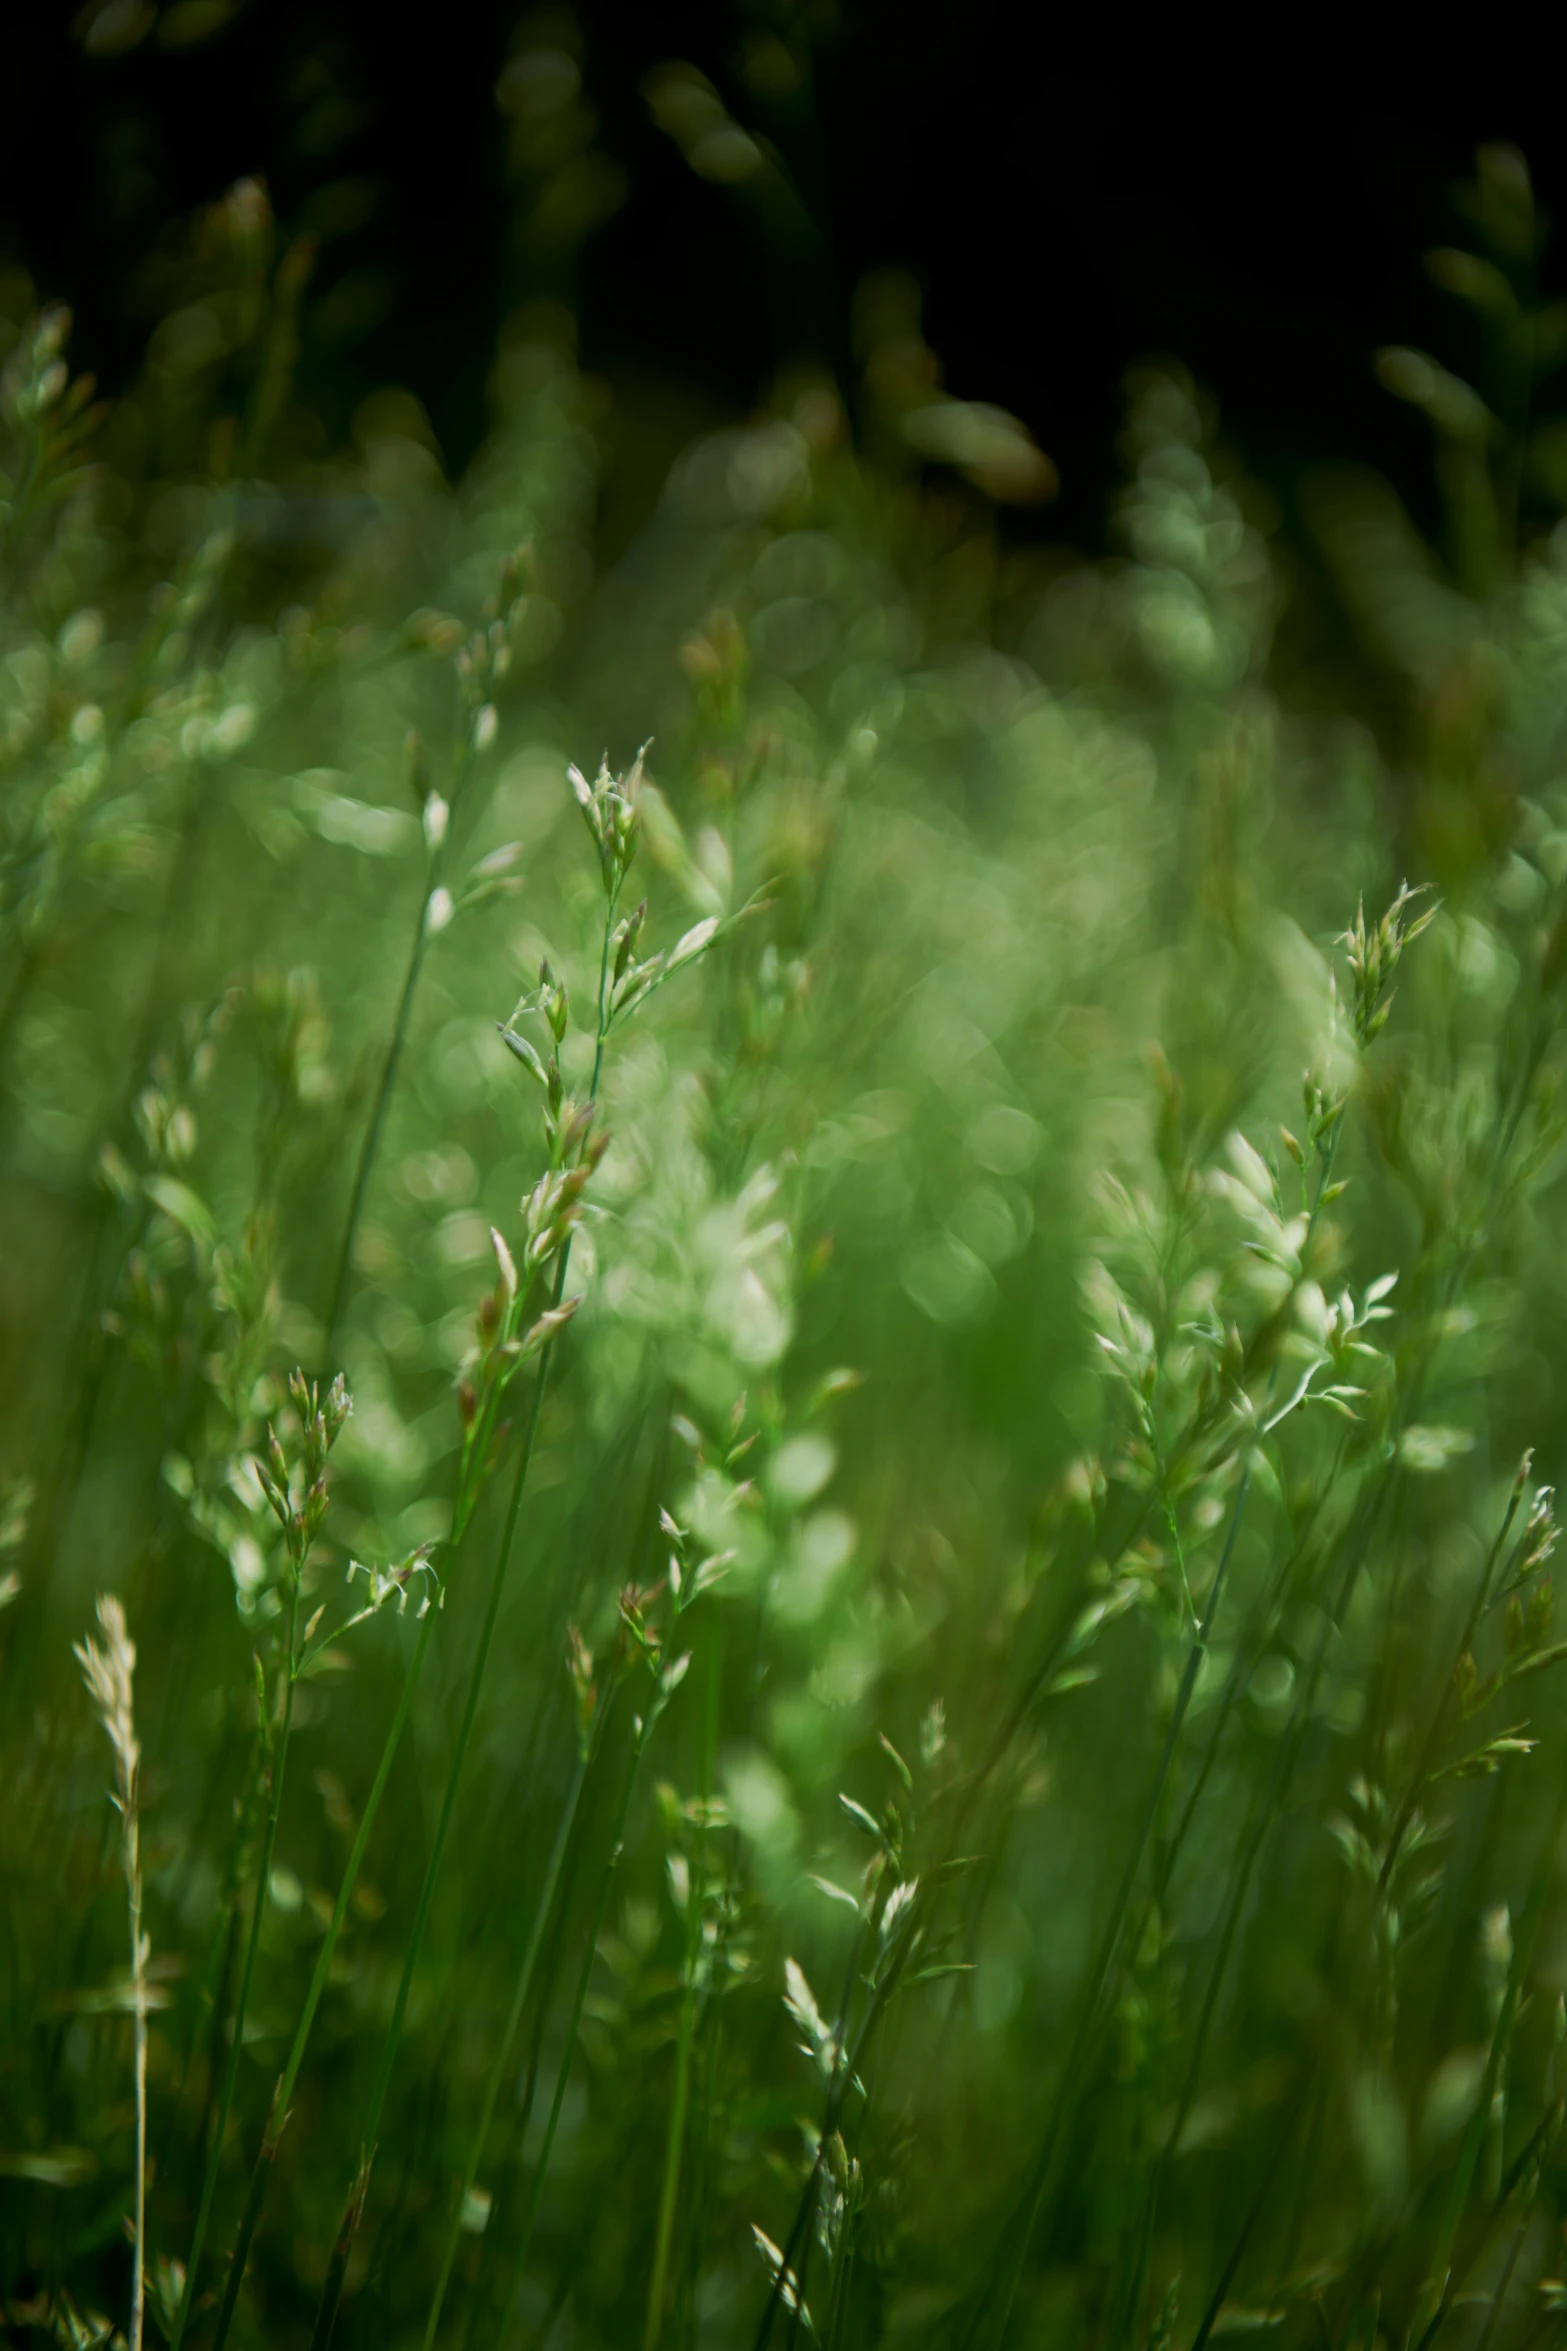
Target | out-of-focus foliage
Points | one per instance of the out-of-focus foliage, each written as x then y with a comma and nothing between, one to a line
1014,1771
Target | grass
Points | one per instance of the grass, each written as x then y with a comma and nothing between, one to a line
845,1631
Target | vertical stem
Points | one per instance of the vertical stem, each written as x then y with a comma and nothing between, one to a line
563,1835
1502,2284
1110,1942
480,2318
1105,1961
372,1141
679,2104
1254,2214
563,2074
278,2113
435,866
215,1998
139,1994
1420,1775
1436,2297
464,1734
847,2065
247,1976
691,2254
673,2146
331,2292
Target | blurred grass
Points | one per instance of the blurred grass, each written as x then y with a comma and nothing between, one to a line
925,1287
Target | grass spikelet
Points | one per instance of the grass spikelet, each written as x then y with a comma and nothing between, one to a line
108,1669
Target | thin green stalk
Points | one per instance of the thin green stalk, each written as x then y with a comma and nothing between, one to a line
1280,1775
585,1977
563,1835
109,1671
1243,2238
847,2066
1287,1752
332,2289
372,1142
669,2193
786,2276
1269,1804
838,2300
1529,2157
333,2286
1075,1587
1105,1959
691,2253
479,2315
247,1977
277,2114
212,1998
1502,2284
1544,2130
570,2270
1428,1746
435,866
1247,1651
133,1887
1110,1942
562,1846
1436,2296
837,2087
679,2104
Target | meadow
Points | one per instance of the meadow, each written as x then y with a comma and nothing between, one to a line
779,1347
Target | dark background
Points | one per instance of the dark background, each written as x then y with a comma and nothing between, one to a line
1066,214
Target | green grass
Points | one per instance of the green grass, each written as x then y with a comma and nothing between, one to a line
908,1692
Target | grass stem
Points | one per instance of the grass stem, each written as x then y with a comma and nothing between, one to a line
564,1831
333,2286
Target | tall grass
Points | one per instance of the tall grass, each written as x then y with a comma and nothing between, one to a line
838,1631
